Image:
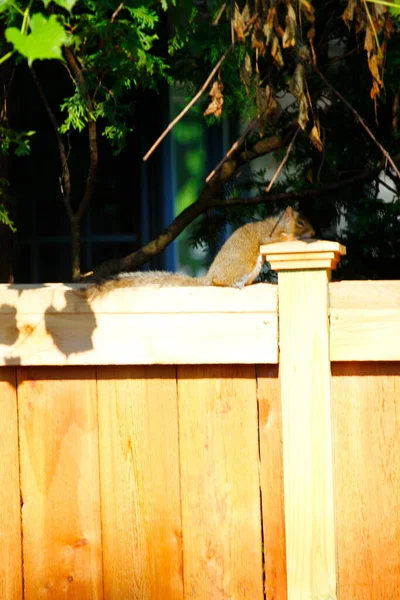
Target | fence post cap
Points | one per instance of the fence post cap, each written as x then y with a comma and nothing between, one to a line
303,254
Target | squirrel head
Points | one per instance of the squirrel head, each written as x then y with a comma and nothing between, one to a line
292,226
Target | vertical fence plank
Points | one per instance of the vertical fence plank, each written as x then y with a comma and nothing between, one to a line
366,399
220,482
303,273
307,437
271,466
139,462
10,509
60,483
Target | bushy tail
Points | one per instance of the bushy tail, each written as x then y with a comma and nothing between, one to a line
143,278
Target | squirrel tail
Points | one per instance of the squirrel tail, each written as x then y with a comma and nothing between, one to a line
143,278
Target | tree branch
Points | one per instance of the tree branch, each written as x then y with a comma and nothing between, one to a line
199,93
140,257
93,147
137,259
387,186
76,217
65,175
359,119
235,146
284,161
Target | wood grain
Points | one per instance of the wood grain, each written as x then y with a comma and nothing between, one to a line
365,320
170,326
220,482
307,438
10,505
271,469
303,254
364,294
366,400
139,461
365,334
60,483
56,297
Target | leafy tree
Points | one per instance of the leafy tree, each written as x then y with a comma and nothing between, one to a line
336,141
106,50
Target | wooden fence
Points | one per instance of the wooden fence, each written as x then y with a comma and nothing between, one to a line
170,444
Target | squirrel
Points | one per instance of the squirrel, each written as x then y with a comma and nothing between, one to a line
238,262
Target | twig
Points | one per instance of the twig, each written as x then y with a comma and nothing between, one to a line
189,105
197,96
232,22
284,161
235,146
65,175
359,119
394,191
117,10
395,108
219,15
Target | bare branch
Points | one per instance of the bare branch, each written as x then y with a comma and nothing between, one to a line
220,13
395,108
137,259
387,186
143,255
115,13
359,119
92,130
239,156
233,148
284,161
94,161
197,96
65,174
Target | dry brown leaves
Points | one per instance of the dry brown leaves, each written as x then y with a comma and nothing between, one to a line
298,87
217,100
315,137
375,20
271,35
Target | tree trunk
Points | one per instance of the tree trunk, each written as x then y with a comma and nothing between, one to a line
76,250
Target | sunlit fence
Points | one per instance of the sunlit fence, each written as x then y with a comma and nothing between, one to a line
200,443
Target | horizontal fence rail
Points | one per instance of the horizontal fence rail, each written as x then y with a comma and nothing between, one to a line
52,325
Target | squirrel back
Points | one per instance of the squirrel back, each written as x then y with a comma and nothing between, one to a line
238,262
129,279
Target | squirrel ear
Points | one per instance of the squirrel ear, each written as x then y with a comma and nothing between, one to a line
289,212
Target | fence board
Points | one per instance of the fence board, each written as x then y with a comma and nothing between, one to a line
366,400
365,320
220,482
10,510
60,483
307,435
52,325
271,466
139,461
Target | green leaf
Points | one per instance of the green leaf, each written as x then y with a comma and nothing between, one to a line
395,10
67,4
5,218
4,4
44,42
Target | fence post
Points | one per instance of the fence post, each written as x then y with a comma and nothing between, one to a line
304,369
